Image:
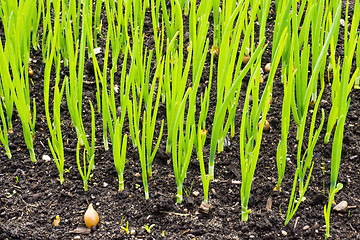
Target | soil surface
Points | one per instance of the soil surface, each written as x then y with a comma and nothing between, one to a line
31,196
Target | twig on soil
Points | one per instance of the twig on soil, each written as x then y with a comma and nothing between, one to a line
174,213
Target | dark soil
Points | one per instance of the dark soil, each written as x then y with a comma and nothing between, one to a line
31,195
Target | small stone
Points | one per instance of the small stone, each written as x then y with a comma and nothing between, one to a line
77,237
267,67
283,232
105,184
236,182
205,207
46,158
213,191
97,50
118,110
306,227
324,102
132,231
342,22
353,157
81,230
137,175
116,90
269,204
341,207
196,193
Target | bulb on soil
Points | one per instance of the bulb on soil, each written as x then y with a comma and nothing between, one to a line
30,72
267,67
91,217
246,59
215,51
266,126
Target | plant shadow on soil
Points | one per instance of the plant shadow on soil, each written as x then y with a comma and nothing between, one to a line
31,196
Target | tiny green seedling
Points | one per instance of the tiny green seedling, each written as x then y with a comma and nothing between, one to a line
188,191
68,169
16,179
126,229
148,228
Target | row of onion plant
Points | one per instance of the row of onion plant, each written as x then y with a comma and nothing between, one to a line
76,30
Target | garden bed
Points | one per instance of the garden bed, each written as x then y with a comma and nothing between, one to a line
31,196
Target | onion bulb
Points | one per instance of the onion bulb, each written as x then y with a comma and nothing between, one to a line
91,217
30,72
246,59
266,126
215,51
267,67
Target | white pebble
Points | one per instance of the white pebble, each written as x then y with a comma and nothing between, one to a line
46,158
196,193
341,207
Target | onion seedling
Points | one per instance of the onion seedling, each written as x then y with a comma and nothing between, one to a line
104,97
56,142
173,21
318,32
97,21
337,142
175,79
220,117
5,80
250,133
181,152
74,84
305,162
139,77
226,78
119,152
5,90
89,157
285,122
151,116
199,46
17,49
145,144
229,77
342,85
250,138
158,30
109,114
87,26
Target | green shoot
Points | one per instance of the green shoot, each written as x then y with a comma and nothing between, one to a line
88,158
